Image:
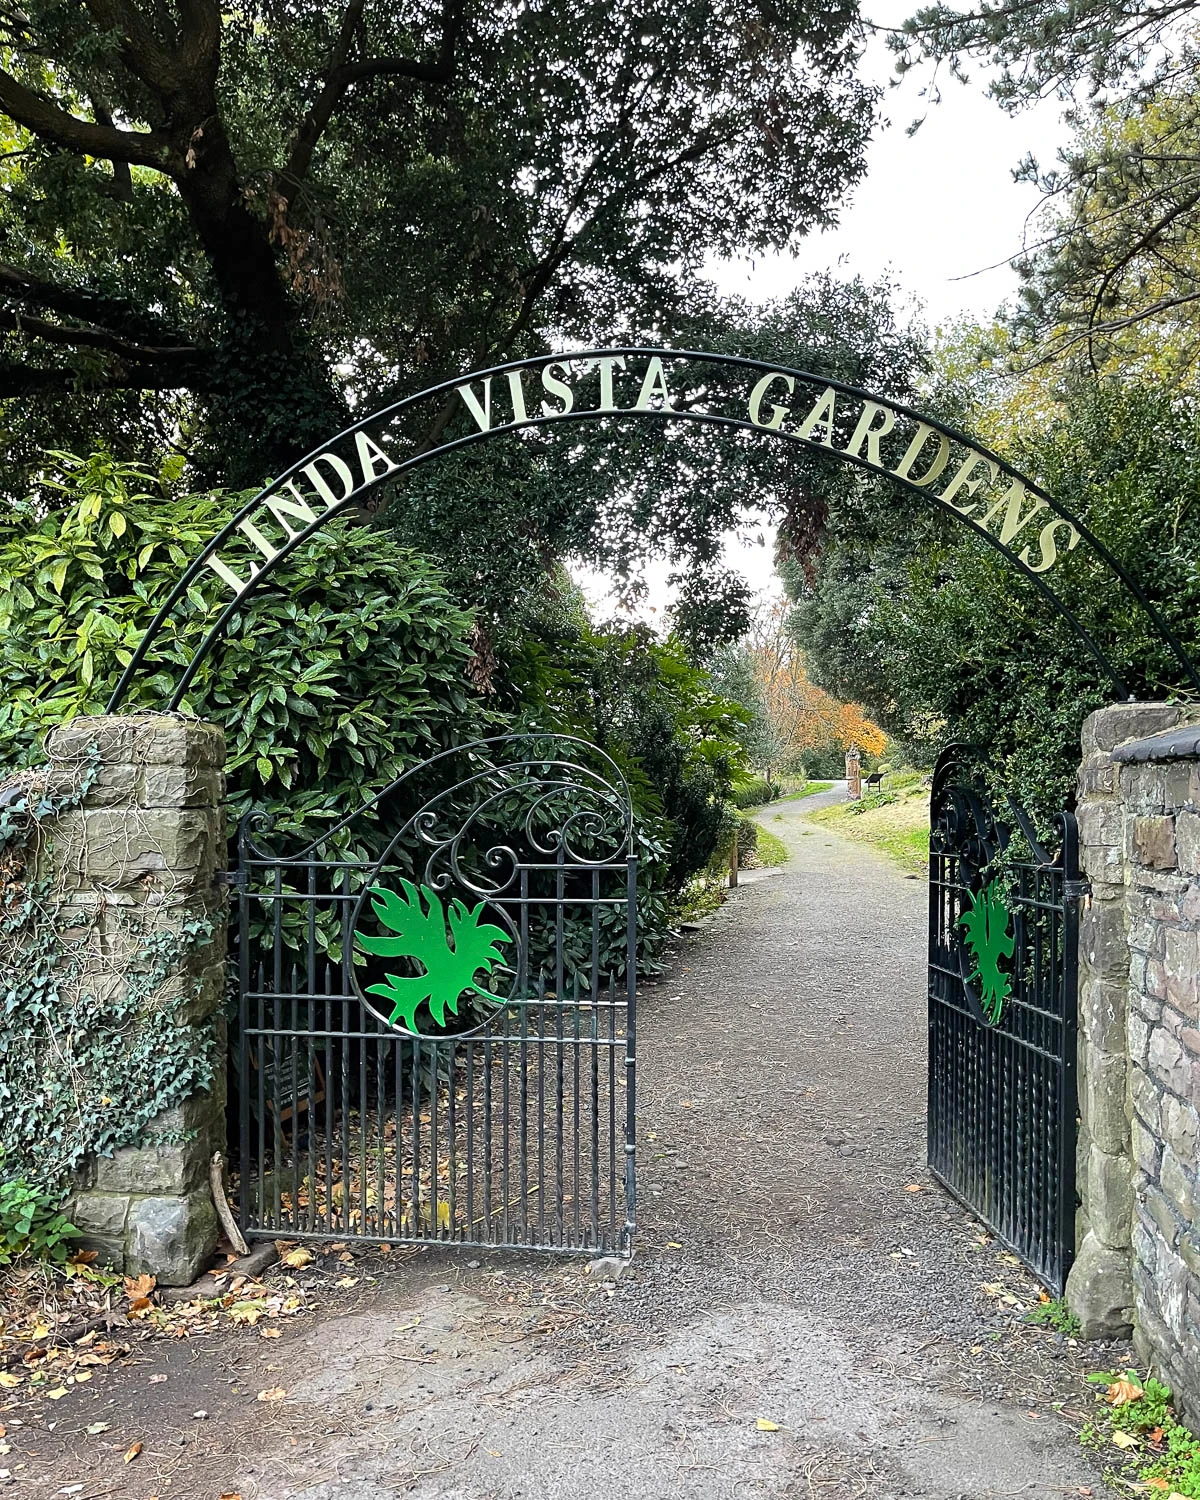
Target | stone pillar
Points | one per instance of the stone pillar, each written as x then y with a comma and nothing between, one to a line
1100,1286
1160,789
136,863
1138,1265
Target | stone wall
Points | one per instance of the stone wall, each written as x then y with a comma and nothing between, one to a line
1138,1265
142,854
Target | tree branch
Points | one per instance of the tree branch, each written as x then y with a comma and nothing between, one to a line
12,321
341,75
19,379
21,286
48,121
140,48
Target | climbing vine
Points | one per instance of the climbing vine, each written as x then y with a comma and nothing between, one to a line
91,1048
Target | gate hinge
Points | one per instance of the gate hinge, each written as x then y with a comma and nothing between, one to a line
1075,890
234,878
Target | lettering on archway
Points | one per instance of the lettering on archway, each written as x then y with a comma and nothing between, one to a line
931,460
881,436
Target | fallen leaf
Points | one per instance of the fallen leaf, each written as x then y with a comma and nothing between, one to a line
8,1381
138,1305
132,1452
58,1394
300,1256
269,1333
230,1495
1156,1436
348,1281
70,1489
1122,1392
276,1393
1124,1440
674,1245
96,1428
157,1379
140,1286
764,1426
83,1257
913,1187
1158,1484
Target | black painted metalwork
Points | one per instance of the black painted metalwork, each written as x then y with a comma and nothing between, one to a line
512,1124
1002,1093
383,421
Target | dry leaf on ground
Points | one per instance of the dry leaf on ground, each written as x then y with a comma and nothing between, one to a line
132,1452
1121,1392
276,1393
764,1426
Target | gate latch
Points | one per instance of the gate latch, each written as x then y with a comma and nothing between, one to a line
233,878
1075,890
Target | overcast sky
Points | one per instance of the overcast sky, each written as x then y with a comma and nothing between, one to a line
934,210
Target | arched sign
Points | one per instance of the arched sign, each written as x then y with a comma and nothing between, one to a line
941,465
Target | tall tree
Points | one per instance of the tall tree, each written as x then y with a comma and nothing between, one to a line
1110,263
227,223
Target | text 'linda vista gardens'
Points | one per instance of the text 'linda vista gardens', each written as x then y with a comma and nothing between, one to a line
866,430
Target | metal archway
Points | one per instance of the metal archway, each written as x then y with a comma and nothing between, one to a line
979,489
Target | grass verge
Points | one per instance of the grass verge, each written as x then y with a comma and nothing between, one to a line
899,826
809,789
771,850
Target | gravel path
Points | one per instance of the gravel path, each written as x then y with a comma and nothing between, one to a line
795,1267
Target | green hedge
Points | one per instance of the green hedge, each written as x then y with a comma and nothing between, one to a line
756,792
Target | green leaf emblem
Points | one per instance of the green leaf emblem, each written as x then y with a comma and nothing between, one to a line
988,940
450,960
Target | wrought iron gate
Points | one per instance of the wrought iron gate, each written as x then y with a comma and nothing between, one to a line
1003,971
437,1018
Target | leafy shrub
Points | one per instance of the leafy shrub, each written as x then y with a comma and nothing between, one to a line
747,831
825,762
868,802
354,672
755,792
659,717
31,1224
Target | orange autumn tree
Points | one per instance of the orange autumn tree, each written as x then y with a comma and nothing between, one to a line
801,716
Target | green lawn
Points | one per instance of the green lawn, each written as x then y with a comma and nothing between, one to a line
809,789
899,828
771,850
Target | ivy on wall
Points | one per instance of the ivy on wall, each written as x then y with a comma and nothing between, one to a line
90,1053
